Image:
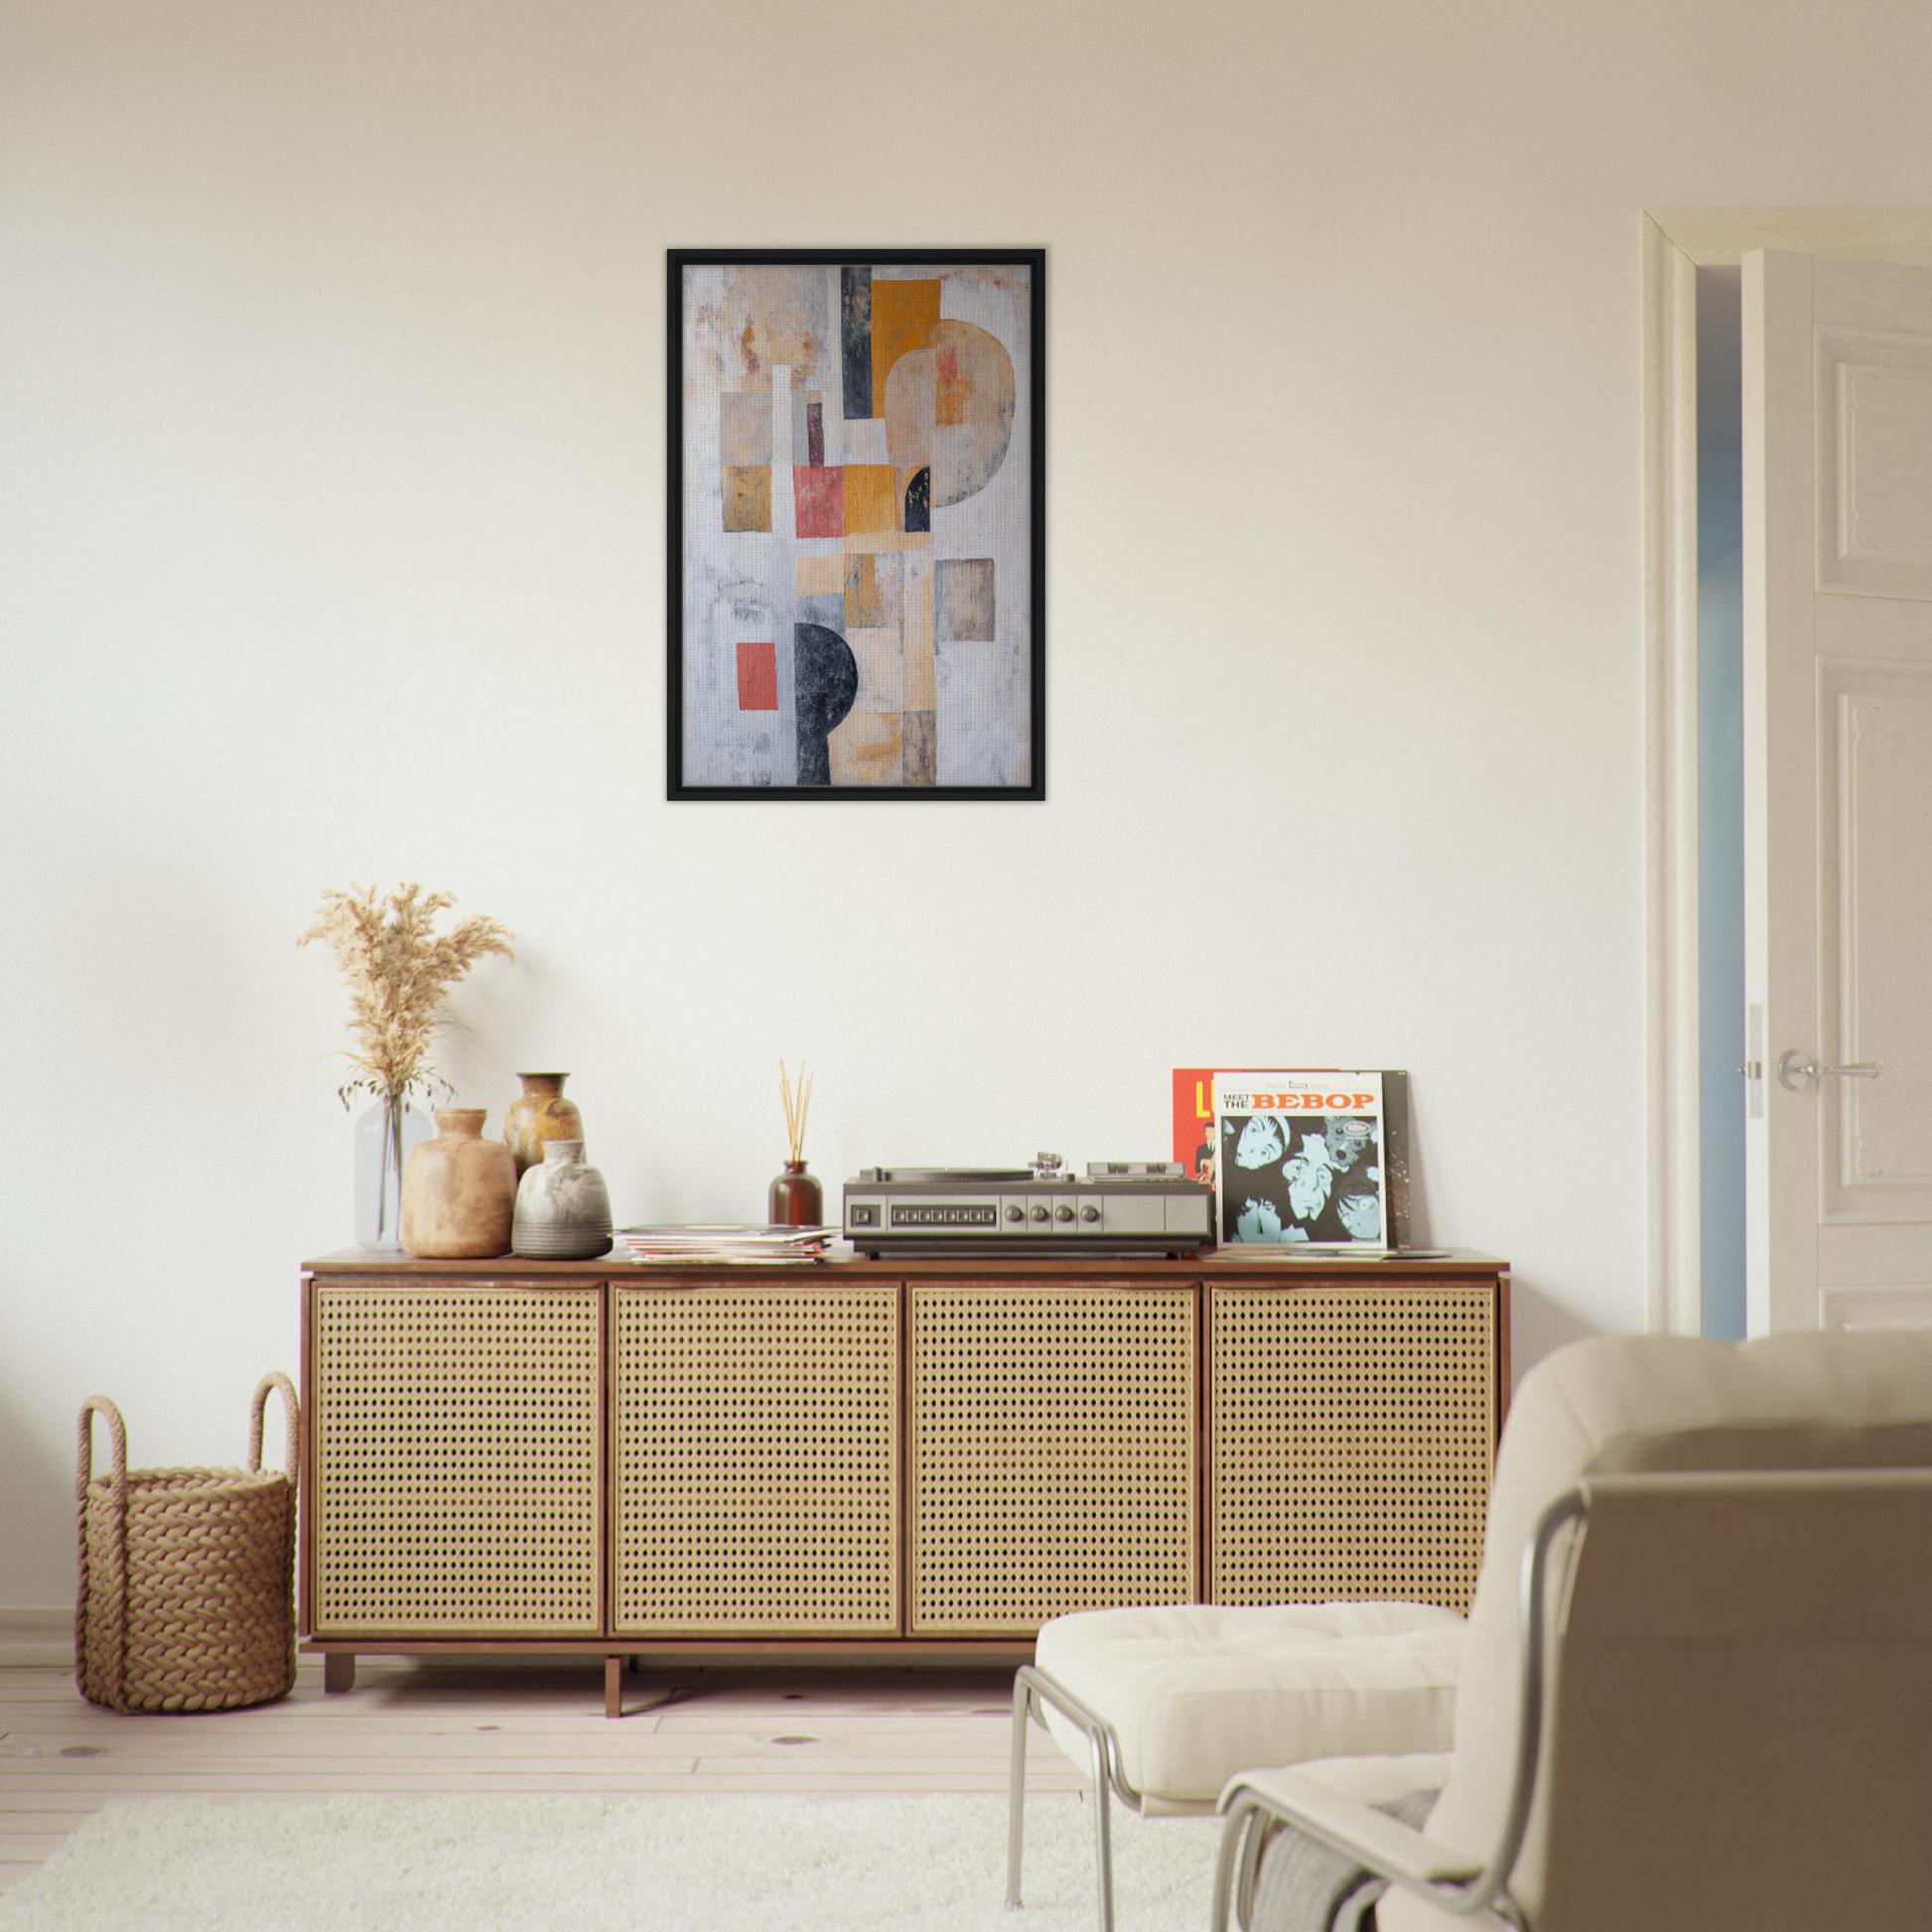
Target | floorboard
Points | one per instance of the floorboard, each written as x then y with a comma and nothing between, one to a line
428,1727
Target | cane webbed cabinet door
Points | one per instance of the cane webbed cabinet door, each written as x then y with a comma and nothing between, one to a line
457,1458
1351,1437
755,1454
1052,1439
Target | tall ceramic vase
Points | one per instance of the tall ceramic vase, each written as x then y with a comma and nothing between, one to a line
540,1113
385,1136
459,1190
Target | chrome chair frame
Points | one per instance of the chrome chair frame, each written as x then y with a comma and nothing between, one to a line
1482,1896
1031,1689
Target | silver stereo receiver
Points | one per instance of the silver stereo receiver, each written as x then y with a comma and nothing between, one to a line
1116,1208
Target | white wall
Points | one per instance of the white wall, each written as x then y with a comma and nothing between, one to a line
331,408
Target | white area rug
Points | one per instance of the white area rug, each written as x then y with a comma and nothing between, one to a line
764,1864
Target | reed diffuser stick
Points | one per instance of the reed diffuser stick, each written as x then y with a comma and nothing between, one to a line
797,1105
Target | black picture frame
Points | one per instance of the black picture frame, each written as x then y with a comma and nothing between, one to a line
1031,784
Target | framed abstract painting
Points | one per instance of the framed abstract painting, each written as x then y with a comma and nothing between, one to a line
857,523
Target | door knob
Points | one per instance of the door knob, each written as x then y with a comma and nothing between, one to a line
1797,1070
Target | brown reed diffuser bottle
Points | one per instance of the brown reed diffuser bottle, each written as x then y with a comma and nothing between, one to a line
796,1201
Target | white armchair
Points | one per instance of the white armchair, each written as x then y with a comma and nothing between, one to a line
1162,1706
1696,1684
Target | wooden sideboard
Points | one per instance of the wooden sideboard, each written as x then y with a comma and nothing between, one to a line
879,1460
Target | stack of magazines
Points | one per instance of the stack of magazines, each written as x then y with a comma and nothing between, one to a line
698,1241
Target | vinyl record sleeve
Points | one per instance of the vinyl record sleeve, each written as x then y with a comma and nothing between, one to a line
1197,1145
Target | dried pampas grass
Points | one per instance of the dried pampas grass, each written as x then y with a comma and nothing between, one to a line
398,969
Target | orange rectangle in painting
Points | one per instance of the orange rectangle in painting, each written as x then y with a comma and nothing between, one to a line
904,314
747,496
758,677
871,498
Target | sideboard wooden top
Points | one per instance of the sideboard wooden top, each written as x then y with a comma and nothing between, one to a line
1217,1264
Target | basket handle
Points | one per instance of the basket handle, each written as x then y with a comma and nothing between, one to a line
112,1639
117,1432
291,1409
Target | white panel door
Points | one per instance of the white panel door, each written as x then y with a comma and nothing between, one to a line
1838,777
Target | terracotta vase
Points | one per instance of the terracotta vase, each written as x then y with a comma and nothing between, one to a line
563,1208
795,1199
459,1190
540,1114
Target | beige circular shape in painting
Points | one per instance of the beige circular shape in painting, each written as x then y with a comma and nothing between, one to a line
949,408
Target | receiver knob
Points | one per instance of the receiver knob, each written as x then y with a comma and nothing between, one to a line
1063,1214
1089,1214
1016,1212
1039,1213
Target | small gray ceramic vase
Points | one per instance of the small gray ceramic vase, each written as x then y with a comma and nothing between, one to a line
563,1208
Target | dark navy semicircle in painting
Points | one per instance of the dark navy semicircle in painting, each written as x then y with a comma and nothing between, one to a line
918,501
824,682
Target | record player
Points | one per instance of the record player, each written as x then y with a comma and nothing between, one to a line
1131,1207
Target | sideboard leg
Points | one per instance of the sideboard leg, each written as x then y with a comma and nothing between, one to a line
338,1670
614,1687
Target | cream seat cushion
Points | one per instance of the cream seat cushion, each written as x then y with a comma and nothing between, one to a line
1198,1692
1379,1780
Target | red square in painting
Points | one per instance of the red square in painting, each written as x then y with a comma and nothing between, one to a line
820,496
758,677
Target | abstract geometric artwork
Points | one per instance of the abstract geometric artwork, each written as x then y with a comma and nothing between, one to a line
857,536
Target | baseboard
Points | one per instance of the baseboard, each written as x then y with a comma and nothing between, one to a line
43,1635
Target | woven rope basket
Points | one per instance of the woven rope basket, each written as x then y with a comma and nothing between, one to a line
187,1576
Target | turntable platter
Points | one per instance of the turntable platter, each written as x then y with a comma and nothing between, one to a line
938,1175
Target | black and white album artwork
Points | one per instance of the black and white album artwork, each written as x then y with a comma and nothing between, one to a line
1301,1177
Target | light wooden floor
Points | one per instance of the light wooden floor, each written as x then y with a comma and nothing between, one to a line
509,1728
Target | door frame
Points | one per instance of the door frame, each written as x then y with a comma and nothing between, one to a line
1676,242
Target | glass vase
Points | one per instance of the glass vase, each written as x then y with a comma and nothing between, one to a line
384,1135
